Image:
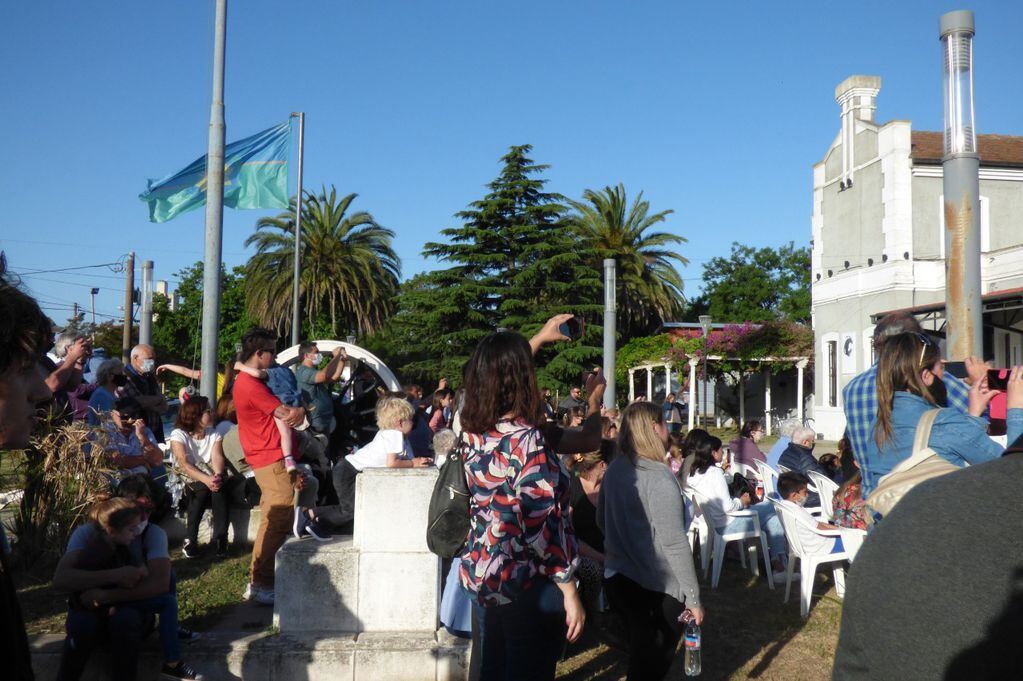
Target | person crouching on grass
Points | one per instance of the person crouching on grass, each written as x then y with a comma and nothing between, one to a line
389,449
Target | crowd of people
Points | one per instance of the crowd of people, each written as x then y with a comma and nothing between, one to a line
578,515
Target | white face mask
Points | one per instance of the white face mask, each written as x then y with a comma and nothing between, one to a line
141,528
148,365
317,358
802,500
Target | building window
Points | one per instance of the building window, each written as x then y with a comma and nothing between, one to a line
985,225
832,367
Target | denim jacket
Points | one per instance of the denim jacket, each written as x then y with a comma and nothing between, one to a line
959,438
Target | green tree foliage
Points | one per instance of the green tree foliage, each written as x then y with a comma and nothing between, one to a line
756,284
649,287
511,264
349,269
177,334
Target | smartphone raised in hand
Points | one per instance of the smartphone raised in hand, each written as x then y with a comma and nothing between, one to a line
998,379
572,328
593,379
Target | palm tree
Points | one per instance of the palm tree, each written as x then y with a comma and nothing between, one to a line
649,286
349,270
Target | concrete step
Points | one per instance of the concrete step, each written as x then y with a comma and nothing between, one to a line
267,656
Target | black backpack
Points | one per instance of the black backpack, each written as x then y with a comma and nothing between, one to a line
448,520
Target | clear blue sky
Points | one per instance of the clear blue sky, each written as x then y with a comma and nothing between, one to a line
717,110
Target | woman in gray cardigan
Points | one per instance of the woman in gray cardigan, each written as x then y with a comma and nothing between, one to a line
648,567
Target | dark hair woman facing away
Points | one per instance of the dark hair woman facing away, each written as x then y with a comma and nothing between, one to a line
521,552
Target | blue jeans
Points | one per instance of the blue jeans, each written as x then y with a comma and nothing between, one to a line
769,525
166,607
89,629
522,640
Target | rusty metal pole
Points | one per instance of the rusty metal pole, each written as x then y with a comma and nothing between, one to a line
961,184
129,294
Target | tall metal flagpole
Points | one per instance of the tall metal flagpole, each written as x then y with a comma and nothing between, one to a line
296,321
214,214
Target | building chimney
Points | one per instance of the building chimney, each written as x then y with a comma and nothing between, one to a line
857,95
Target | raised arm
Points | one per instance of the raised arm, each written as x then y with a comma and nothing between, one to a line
180,370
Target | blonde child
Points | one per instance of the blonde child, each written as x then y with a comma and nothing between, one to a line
388,449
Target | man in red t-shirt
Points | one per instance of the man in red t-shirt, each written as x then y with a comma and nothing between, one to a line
256,408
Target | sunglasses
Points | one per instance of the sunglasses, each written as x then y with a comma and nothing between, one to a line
927,342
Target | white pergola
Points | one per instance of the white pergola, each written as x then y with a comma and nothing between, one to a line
765,362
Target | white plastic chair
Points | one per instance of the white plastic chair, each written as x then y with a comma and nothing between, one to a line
746,471
722,539
783,469
792,519
768,476
826,488
699,531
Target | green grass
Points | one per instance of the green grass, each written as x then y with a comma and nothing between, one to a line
206,589
748,633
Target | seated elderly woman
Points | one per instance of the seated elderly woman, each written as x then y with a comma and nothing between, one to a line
132,445
744,448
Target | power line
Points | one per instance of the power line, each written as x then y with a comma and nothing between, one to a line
69,283
80,267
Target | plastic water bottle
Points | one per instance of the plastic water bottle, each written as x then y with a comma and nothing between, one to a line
692,642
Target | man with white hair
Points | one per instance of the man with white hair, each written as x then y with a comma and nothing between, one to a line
785,429
72,350
142,385
798,456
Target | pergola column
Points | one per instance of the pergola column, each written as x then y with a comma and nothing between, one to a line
742,399
667,379
800,366
632,385
767,401
650,383
692,391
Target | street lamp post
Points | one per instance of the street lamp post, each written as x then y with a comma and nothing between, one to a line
961,185
705,323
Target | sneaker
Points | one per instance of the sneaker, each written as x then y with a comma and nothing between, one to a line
190,549
300,522
186,635
315,530
258,594
180,671
221,551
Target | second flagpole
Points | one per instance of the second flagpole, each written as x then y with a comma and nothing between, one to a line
296,321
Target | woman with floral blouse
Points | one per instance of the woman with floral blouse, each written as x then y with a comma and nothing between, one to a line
849,507
520,556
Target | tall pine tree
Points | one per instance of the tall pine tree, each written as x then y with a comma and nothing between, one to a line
512,265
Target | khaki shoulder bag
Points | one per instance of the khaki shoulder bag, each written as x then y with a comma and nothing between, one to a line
923,464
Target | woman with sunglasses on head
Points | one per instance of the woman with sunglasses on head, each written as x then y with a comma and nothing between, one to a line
909,384
199,455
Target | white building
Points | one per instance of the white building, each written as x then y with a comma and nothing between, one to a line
878,243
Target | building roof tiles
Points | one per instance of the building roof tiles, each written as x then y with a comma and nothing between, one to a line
995,150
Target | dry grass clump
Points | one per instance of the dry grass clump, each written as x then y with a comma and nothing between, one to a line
64,471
